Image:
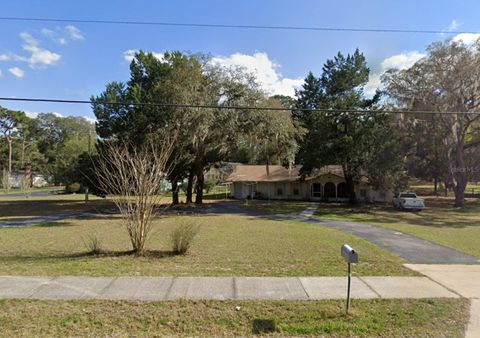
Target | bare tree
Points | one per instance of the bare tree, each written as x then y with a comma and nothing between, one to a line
132,176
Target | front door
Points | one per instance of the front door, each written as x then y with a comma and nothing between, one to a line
316,193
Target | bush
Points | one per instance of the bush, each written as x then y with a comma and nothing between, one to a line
209,184
73,188
182,237
93,244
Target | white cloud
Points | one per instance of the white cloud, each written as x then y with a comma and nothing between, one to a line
402,61
47,32
266,71
31,114
128,55
17,72
89,119
4,57
374,83
62,35
74,33
399,61
466,38
454,25
1,73
39,56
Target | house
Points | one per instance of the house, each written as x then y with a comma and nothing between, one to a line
17,177
277,182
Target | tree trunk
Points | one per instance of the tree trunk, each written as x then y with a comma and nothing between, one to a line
460,177
189,192
23,153
460,195
352,197
199,187
435,185
175,199
10,150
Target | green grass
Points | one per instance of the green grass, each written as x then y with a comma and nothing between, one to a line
224,246
369,318
440,222
19,191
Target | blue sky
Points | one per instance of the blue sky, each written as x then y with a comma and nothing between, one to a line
73,62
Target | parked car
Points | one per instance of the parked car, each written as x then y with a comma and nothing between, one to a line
408,201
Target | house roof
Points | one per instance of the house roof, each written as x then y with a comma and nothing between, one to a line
277,173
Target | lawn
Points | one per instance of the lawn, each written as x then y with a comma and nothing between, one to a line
224,246
440,222
369,318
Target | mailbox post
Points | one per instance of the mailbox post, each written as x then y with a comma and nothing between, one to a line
350,257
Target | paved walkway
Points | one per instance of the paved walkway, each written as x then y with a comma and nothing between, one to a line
310,211
218,288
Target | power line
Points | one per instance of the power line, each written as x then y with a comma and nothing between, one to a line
219,107
264,27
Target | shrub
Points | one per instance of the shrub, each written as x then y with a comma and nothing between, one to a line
93,244
209,184
182,237
73,188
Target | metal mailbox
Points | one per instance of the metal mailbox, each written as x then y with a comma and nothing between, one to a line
349,254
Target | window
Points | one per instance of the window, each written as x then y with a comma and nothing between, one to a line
279,191
363,193
296,192
316,190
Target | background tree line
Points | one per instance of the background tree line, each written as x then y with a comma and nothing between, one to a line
50,143
330,121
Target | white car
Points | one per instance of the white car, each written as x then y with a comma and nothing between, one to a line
408,201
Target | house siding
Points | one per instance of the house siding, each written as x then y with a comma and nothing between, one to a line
270,190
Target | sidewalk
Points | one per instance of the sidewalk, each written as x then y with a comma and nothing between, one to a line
462,279
218,288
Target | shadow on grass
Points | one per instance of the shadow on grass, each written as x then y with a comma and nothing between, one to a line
40,208
263,326
54,224
91,254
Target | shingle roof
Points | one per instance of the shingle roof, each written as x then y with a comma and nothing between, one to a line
277,173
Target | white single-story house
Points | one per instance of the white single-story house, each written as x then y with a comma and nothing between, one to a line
326,184
37,180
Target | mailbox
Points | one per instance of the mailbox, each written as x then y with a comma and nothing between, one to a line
349,254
